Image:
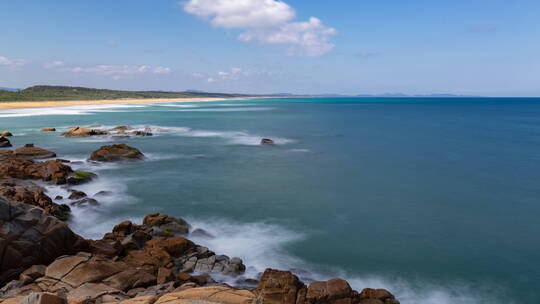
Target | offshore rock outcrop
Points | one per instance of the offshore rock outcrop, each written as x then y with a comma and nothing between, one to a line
83,132
17,167
115,153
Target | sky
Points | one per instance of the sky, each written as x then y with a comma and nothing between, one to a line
469,47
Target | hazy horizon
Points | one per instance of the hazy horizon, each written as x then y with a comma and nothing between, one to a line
485,48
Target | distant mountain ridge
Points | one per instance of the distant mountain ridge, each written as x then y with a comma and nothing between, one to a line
59,93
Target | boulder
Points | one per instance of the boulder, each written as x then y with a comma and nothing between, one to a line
76,195
6,134
267,141
48,130
30,236
372,296
85,202
278,287
4,142
95,293
115,153
331,291
81,177
121,128
83,132
160,224
31,152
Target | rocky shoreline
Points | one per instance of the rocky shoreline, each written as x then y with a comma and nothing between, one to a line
43,261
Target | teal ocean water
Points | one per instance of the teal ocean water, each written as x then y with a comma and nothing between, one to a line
437,200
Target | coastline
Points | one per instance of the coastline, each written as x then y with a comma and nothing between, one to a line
49,104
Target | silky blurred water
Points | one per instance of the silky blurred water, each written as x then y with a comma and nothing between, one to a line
437,200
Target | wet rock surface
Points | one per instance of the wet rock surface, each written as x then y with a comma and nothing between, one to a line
116,153
83,132
4,142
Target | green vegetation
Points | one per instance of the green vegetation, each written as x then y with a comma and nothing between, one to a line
59,93
81,177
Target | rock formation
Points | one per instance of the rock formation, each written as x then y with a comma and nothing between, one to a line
115,153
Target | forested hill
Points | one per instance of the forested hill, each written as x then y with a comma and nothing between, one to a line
53,93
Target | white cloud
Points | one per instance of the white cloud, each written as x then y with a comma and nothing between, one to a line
53,64
12,63
113,71
267,22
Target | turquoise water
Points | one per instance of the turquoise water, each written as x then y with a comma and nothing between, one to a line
435,199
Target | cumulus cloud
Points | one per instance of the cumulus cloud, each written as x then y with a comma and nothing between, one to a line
11,63
266,22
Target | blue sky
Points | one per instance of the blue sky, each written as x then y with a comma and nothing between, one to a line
475,47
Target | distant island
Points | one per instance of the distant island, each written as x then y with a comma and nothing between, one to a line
66,93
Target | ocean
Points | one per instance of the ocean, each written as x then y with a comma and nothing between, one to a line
435,199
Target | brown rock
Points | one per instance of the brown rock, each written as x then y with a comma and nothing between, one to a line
42,298
164,275
130,279
63,265
17,167
277,286
83,132
6,134
48,130
30,236
175,246
31,152
92,292
213,294
29,193
331,291
115,153
32,273
152,257
105,248
92,271
370,296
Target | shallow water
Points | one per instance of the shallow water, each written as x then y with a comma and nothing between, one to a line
434,199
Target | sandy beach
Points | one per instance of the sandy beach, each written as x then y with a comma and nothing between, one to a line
48,104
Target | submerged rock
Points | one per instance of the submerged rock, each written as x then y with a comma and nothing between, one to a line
76,195
267,141
142,133
85,202
115,153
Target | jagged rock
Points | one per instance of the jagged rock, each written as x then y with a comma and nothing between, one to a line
267,141
105,248
48,130
83,132
135,240
17,167
29,193
164,275
4,142
130,279
115,153
30,236
6,134
31,152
